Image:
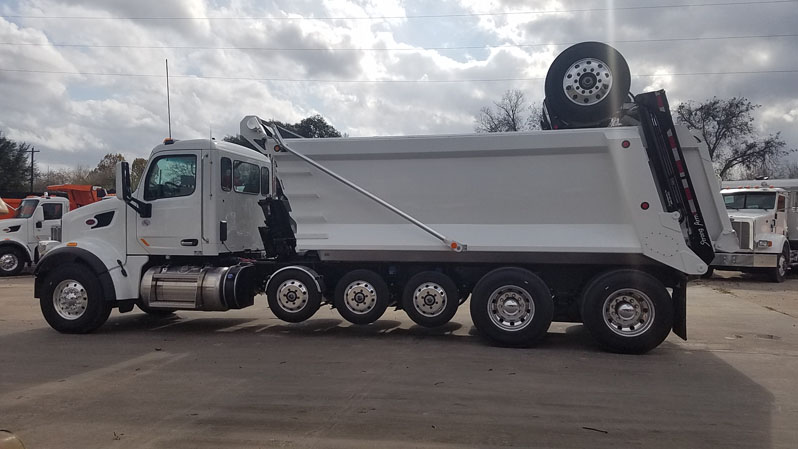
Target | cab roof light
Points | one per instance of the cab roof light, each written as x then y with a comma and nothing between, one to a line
168,141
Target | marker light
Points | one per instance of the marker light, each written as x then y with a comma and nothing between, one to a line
72,244
91,222
644,205
168,141
626,144
277,148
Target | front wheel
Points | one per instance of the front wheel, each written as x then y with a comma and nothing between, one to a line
627,311
779,272
72,301
11,261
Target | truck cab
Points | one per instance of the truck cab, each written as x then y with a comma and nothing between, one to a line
759,216
33,222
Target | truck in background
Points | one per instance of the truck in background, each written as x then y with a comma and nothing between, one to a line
764,215
36,219
421,223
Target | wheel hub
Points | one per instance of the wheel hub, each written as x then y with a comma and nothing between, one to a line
360,297
628,312
70,299
429,299
587,82
292,295
9,262
511,308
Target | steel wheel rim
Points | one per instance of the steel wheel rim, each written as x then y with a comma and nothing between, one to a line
70,299
628,312
511,308
9,262
360,297
429,299
782,265
292,295
587,81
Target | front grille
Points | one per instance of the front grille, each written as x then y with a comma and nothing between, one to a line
743,230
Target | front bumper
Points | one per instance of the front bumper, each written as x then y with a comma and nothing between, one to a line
745,260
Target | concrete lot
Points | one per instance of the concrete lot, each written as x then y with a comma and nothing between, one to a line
245,379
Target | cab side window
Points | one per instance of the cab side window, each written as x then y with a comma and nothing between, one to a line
52,211
264,181
246,177
170,177
782,204
227,174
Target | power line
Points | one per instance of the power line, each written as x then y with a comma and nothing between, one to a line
418,16
466,47
334,81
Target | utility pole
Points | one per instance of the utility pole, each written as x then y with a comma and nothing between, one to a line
32,152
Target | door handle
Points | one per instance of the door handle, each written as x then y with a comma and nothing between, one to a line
38,225
189,242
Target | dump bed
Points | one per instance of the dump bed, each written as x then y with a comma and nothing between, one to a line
553,196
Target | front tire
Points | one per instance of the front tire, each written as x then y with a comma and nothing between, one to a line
293,296
11,261
779,272
512,306
72,301
627,311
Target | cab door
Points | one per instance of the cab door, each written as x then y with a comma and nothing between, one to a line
780,221
171,187
52,211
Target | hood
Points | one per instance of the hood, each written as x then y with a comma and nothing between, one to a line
749,214
11,222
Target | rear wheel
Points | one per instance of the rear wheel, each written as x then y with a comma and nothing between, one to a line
293,296
779,272
72,301
11,261
430,299
627,311
512,306
361,296
587,83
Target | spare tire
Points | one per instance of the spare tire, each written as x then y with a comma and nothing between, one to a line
587,83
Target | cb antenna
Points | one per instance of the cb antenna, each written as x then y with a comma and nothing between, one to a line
168,105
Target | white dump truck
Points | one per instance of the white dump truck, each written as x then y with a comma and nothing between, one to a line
764,216
33,222
599,225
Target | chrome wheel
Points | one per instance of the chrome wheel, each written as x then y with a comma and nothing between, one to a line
782,265
292,295
511,308
628,312
587,81
360,297
70,299
9,262
429,299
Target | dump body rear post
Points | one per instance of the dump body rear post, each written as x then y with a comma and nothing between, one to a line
433,222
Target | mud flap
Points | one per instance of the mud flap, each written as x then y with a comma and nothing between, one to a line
679,297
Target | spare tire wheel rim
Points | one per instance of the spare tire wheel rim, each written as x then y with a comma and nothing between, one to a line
587,82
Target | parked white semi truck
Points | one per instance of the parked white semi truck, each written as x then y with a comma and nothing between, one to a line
33,222
597,225
764,216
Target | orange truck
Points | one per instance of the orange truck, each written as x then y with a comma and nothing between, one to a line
78,195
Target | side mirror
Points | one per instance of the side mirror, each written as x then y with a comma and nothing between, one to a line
124,193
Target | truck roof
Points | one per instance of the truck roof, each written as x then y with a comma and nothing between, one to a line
209,144
786,184
753,189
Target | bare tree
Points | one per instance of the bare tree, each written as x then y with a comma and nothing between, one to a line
511,113
727,127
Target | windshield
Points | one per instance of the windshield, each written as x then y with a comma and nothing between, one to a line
750,200
26,208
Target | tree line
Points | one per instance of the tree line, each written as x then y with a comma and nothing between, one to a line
737,149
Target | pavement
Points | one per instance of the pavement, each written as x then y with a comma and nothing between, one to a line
243,379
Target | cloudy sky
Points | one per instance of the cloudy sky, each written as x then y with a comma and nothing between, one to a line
79,79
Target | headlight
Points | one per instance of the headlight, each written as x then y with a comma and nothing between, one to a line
764,243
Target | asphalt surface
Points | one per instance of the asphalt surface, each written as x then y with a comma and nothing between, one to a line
245,379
